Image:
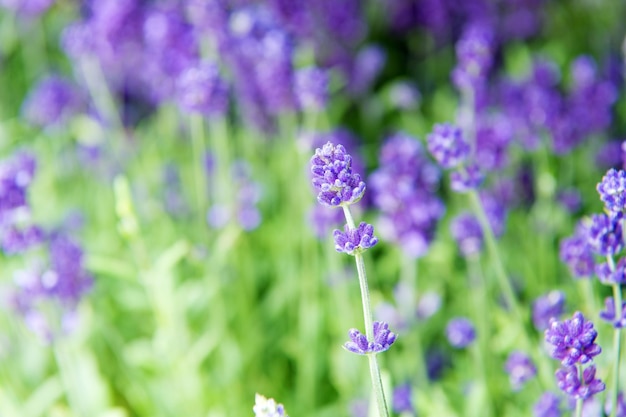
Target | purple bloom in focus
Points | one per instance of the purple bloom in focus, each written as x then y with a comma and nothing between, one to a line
460,332
547,307
51,101
311,88
612,190
402,399
447,145
467,179
576,253
520,369
353,241
570,382
383,339
467,233
573,341
333,177
547,406
618,320
605,234
201,90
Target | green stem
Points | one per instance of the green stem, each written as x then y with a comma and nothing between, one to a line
66,370
199,151
377,383
617,297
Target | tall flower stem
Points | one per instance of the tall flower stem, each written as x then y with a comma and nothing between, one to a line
377,383
617,340
199,151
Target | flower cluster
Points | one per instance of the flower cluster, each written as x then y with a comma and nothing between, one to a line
520,369
404,191
337,185
612,190
353,241
573,343
264,407
383,339
460,332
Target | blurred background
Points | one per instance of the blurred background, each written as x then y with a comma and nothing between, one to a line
163,253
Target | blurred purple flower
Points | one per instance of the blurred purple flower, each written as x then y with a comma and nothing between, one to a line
547,307
520,368
548,405
576,252
618,320
460,332
467,233
201,90
51,101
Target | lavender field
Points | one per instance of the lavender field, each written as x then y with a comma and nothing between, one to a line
312,208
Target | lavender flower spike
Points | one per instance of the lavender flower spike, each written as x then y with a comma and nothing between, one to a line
569,381
264,407
383,339
460,332
573,340
331,167
357,240
612,190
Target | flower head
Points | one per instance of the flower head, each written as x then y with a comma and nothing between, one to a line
264,407
520,369
447,145
605,234
573,341
547,307
460,332
570,381
618,320
201,90
332,173
352,241
311,88
576,253
383,339
402,399
467,233
547,406
612,190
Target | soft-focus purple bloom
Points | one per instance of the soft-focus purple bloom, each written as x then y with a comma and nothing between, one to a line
324,219
17,240
467,233
353,241
201,90
311,88
359,407
474,52
388,313
570,199
605,234
520,368
573,341
621,406
331,167
495,211
404,95
570,382
618,320
447,145
264,407
51,101
403,189
402,401
466,179
29,8
612,190
494,134
383,339
547,307
612,275
460,332
548,405
367,65
609,155
428,304
576,253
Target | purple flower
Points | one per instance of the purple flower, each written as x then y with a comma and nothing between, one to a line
610,315
402,401
31,8
403,189
311,88
467,233
447,145
466,179
383,339
332,173
611,277
576,253
404,95
520,369
612,190
460,332
547,406
17,240
547,307
621,406
353,241
573,341
368,64
53,100
570,381
605,234
201,90
474,53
